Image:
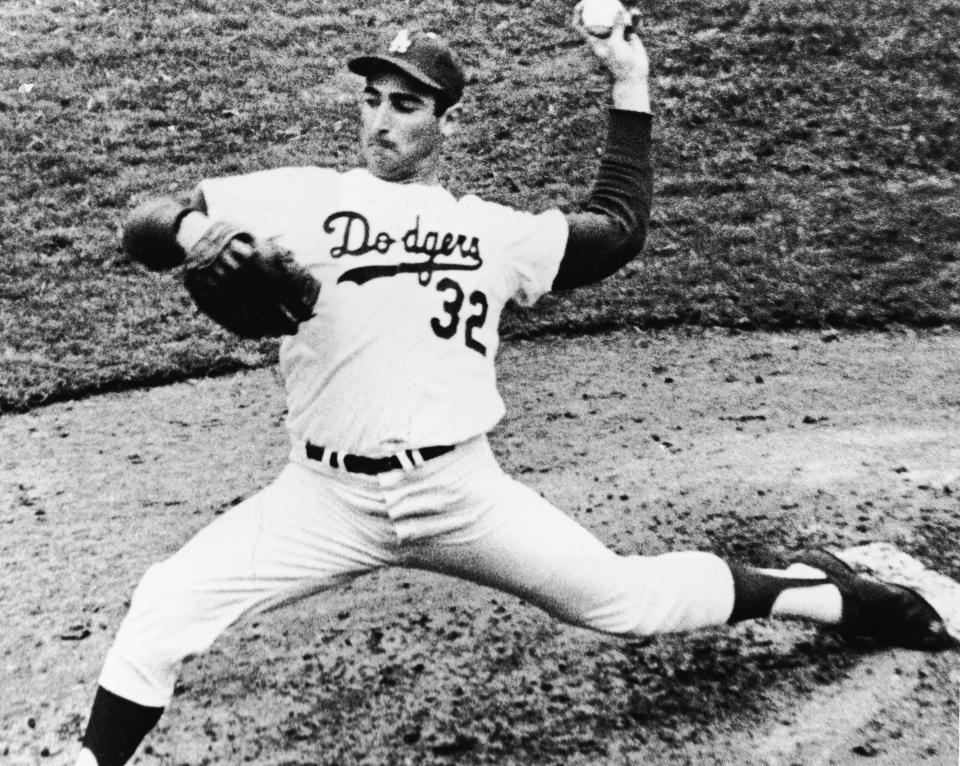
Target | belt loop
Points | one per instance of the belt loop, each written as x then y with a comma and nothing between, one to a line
406,459
323,455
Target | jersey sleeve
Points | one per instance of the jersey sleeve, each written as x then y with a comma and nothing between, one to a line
255,200
531,246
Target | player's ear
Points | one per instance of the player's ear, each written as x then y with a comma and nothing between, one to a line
450,120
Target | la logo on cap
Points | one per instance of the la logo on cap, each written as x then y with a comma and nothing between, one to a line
401,43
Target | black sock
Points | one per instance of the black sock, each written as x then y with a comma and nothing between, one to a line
116,727
754,591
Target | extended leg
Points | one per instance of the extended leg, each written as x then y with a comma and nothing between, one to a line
521,544
516,541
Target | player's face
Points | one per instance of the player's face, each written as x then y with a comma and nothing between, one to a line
401,133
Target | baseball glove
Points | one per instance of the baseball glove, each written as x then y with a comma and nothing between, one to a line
254,288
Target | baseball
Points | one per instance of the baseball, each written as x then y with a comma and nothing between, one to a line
599,16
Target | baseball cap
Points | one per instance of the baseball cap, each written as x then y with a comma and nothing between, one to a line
423,56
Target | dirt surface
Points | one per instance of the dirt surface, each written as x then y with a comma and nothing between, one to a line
752,445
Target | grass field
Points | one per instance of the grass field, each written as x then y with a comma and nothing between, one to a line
807,155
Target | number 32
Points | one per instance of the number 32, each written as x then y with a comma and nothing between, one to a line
453,306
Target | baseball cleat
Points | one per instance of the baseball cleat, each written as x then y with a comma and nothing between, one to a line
881,613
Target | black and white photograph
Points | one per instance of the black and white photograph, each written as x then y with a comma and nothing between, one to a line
525,383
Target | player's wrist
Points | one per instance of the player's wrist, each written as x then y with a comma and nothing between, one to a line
631,94
191,228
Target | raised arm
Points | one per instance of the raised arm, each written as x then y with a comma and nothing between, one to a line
611,226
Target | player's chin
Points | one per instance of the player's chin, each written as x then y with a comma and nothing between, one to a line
385,166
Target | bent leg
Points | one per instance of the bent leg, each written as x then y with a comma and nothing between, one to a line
523,545
290,540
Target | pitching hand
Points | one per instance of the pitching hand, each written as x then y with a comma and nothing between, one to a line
624,56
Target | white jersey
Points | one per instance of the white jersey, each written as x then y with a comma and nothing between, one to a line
400,353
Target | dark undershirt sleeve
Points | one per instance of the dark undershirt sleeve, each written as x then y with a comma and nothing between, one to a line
611,226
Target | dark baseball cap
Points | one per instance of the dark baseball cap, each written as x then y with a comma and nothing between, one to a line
423,56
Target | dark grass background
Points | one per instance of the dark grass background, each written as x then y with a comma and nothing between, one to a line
807,160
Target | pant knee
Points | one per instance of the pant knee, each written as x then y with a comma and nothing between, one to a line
160,598
166,623
648,595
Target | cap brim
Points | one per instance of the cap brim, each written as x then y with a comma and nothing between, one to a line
368,65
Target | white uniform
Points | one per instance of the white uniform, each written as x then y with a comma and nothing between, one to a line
399,357
394,360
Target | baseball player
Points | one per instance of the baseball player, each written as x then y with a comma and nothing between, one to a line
387,291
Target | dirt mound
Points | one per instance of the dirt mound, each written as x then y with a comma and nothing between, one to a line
751,445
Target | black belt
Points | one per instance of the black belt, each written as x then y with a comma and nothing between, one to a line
374,465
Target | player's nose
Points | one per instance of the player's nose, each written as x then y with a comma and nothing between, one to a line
382,119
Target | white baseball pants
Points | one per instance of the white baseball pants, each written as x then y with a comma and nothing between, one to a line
458,514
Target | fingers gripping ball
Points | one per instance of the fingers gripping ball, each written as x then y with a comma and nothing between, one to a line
254,289
150,234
